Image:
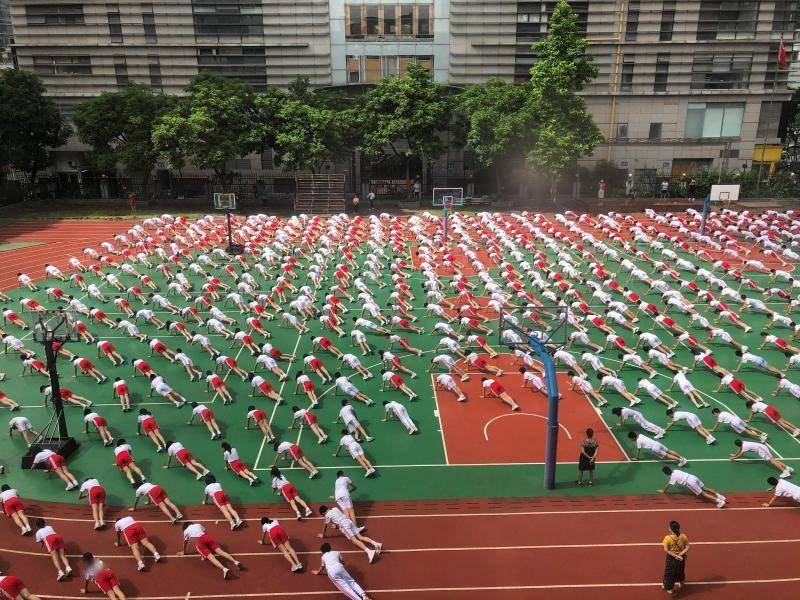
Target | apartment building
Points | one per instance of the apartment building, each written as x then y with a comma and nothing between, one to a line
6,36
681,84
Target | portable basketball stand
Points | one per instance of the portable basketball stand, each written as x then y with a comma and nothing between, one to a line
227,202
52,327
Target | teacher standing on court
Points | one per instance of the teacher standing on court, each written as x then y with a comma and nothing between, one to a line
676,545
588,456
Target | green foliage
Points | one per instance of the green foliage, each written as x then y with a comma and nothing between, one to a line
565,129
30,124
496,120
213,123
118,126
411,108
304,128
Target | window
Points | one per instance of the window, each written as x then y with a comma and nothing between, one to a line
389,20
227,17
622,131
532,18
655,131
54,14
121,71
62,65
662,73
154,66
372,69
775,76
353,16
785,18
714,120
407,20
247,63
114,23
353,69
377,67
727,20
721,71
377,20
626,82
372,19
667,21
149,22
632,24
424,28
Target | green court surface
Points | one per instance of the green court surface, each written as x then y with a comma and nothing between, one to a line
410,467
4,247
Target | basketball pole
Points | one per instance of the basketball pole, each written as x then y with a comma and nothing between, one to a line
55,396
444,219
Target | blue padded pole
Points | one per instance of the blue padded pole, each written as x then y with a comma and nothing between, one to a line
706,207
551,447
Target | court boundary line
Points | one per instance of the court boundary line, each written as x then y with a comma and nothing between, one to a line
643,584
670,509
511,548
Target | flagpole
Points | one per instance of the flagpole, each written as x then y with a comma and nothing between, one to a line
771,101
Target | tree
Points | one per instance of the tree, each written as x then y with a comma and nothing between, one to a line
304,128
215,122
30,123
411,108
118,126
496,121
565,130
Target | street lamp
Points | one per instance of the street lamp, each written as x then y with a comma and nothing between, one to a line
52,329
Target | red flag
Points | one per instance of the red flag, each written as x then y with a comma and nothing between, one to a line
783,63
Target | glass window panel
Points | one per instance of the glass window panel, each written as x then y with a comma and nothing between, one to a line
390,20
694,121
407,19
372,19
424,21
372,72
712,121
732,121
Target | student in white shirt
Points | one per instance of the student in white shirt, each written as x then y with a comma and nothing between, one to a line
693,484
334,516
764,453
783,489
332,567
657,448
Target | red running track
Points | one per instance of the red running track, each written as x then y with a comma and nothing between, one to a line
60,240
515,549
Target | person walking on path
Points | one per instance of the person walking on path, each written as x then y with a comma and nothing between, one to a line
676,545
588,456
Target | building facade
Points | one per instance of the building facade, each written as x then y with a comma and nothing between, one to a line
6,36
681,84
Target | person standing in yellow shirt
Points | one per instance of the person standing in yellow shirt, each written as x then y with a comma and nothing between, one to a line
676,545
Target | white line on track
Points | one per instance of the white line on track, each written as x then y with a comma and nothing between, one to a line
458,514
444,549
508,588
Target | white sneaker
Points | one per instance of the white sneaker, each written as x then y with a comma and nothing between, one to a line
658,436
763,437
371,555
682,462
710,440
720,502
140,566
157,557
787,472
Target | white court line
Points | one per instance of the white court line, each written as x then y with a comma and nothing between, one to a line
556,586
533,464
530,513
275,408
438,416
444,549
